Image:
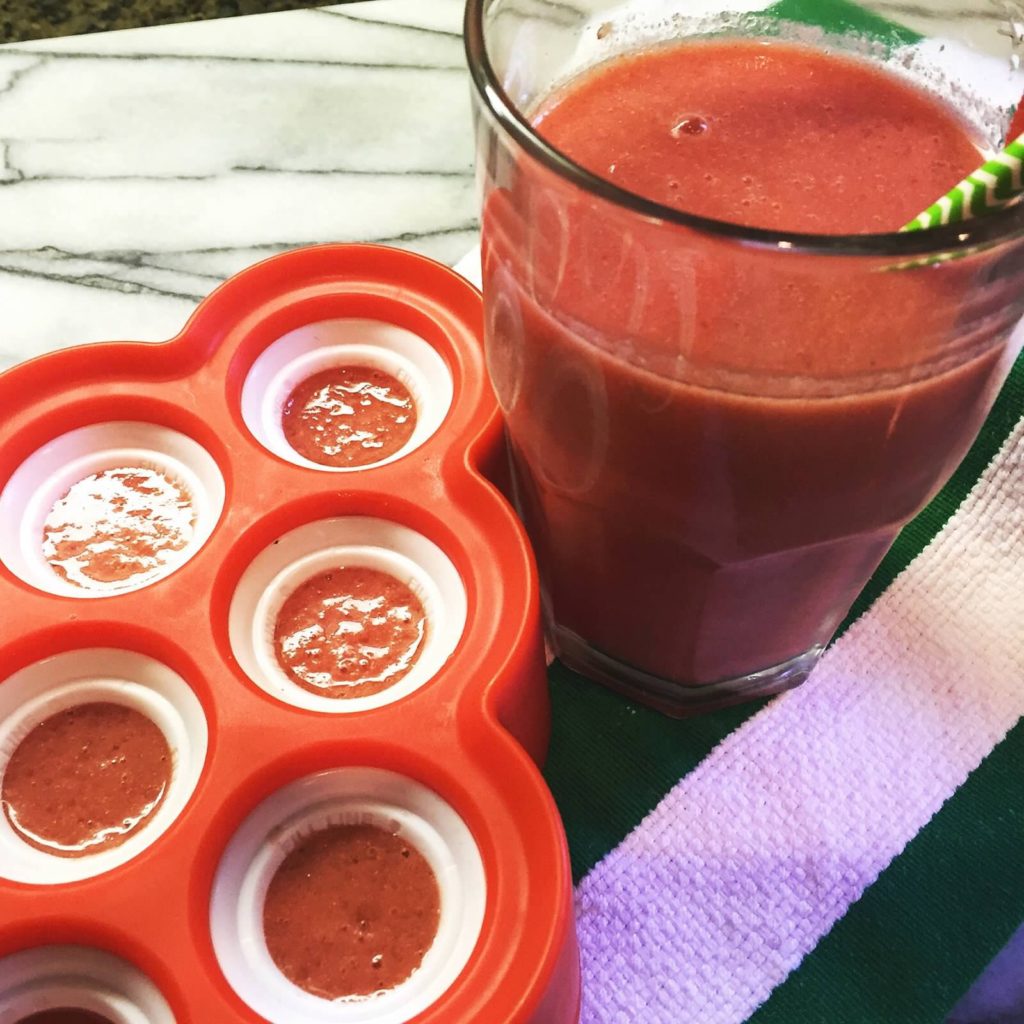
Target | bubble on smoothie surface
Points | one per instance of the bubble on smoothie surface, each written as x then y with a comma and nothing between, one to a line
691,124
118,528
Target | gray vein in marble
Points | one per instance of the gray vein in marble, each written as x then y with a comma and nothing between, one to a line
341,13
16,71
8,172
226,58
20,176
351,170
334,121
185,275
446,244
152,118
444,15
378,37
86,279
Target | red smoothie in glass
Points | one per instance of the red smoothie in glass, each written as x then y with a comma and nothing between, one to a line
714,444
86,779
351,911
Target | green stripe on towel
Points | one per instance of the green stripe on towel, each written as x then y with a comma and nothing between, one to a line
842,17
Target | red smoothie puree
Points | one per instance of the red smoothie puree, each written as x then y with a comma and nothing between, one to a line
712,445
86,779
117,527
350,632
349,416
65,1015
351,911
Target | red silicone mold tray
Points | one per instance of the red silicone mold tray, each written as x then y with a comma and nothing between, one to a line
167,927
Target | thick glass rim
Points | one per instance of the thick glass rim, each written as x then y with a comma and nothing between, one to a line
982,233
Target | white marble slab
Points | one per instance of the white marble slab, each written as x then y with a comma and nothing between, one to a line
138,169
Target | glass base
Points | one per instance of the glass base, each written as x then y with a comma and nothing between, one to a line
676,699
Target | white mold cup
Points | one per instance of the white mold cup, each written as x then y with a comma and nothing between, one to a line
309,350
87,676
349,542
345,796
80,978
52,470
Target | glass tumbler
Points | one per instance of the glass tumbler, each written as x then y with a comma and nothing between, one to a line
704,516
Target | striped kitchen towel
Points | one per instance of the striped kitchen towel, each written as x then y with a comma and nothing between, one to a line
851,851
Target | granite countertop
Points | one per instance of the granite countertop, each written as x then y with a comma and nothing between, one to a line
43,19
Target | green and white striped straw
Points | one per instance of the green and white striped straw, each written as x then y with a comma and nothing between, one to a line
997,182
